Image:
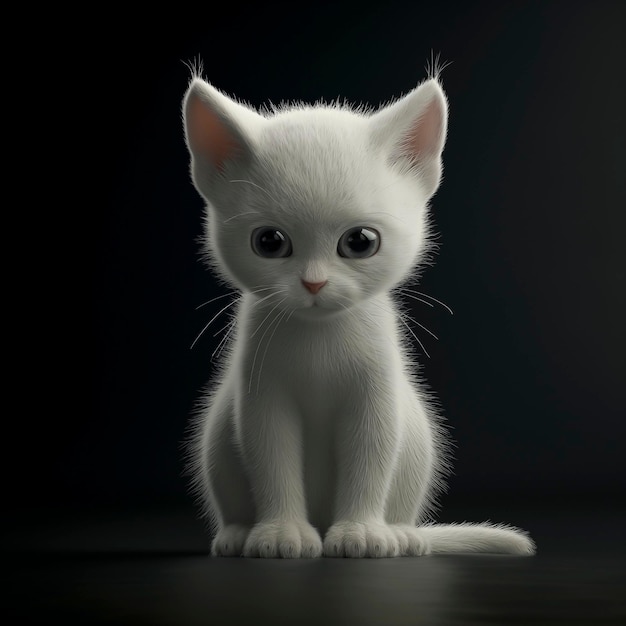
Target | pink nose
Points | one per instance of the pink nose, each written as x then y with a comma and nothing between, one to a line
314,287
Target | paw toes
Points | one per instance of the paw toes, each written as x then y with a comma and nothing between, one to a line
311,551
251,550
355,549
287,540
333,549
358,540
411,540
403,543
268,550
229,541
379,546
289,550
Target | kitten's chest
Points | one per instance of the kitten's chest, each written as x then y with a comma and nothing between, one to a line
318,365
311,359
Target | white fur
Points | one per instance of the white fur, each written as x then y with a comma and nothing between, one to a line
317,438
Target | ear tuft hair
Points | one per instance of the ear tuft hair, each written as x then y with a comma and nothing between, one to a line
413,132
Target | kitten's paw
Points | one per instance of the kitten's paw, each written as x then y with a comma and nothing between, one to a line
410,539
229,541
282,539
361,539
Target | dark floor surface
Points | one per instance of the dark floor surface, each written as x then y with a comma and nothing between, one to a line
152,568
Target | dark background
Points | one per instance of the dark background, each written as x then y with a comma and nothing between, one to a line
529,370
531,216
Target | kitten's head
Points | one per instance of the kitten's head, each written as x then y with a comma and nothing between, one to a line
325,205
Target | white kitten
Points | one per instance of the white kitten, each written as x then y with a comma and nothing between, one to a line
317,438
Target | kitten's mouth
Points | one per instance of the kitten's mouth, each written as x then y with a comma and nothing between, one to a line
316,304
317,310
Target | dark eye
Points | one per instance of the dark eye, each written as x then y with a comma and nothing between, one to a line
271,243
359,243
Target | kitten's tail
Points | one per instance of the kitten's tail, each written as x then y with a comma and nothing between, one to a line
485,538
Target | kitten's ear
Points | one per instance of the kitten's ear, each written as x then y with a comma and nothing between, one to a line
218,130
413,132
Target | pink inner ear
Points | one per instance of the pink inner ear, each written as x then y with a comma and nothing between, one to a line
208,135
425,137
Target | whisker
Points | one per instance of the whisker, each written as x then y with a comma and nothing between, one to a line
421,326
234,217
233,293
401,317
226,295
212,320
265,191
425,295
224,328
259,345
408,295
260,288
224,340
414,335
390,215
280,317
290,314
280,291
271,311
230,304
266,287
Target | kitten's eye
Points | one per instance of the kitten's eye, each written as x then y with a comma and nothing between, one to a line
359,243
271,243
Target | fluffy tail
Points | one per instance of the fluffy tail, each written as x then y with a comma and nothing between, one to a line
485,538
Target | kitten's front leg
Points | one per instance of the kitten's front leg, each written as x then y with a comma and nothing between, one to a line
368,440
271,446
